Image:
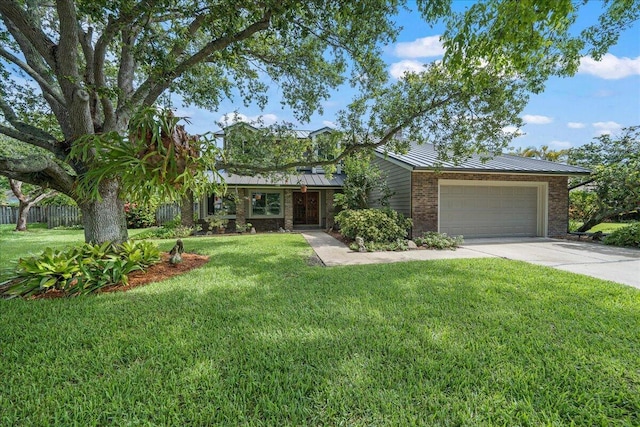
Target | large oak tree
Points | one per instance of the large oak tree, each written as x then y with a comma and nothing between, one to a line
76,73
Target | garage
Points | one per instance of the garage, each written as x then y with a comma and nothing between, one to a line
490,210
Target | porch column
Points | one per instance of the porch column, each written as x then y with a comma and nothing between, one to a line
330,210
241,217
288,209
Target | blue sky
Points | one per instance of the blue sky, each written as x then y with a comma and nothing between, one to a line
601,98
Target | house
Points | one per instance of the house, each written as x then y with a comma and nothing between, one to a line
300,200
506,196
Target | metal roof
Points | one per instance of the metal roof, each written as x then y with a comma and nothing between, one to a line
311,180
425,157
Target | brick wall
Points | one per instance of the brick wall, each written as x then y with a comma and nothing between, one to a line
424,198
241,207
288,210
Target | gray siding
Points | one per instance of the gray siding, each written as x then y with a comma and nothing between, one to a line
399,180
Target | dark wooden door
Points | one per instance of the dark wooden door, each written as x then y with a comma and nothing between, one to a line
306,208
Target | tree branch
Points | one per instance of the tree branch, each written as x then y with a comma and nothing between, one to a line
38,39
38,170
354,144
196,24
27,133
149,91
44,84
35,61
67,71
16,189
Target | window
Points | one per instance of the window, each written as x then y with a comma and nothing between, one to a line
221,205
266,204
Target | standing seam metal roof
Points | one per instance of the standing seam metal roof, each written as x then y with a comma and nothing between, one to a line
425,156
293,180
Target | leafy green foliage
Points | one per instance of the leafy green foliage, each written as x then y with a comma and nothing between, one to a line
542,153
156,161
615,162
435,240
582,205
79,270
397,245
166,231
625,236
363,181
373,225
529,38
140,215
142,253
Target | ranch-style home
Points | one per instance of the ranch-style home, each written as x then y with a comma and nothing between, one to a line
507,196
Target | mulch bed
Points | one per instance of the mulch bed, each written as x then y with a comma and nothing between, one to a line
156,273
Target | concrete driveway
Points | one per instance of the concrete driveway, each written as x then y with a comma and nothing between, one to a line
620,265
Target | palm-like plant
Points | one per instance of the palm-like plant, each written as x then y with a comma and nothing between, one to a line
158,159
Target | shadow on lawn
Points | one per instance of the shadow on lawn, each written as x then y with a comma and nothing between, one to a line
279,342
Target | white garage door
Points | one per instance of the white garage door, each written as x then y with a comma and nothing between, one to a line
488,211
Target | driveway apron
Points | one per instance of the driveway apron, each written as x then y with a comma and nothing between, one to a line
620,265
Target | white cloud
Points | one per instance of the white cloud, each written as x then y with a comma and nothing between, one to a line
610,67
512,129
606,128
231,118
398,69
536,120
420,48
329,124
560,144
575,125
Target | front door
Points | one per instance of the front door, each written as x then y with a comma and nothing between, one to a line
306,208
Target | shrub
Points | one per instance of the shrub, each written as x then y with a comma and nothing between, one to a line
434,240
165,233
373,225
140,216
625,236
80,270
398,245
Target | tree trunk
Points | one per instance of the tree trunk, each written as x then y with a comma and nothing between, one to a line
23,211
588,225
105,220
186,210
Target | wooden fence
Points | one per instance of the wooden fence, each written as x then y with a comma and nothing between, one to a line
9,214
166,213
60,215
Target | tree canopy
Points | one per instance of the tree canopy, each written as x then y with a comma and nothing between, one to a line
615,185
76,72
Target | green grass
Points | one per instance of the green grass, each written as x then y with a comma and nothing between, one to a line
605,227
609,227
258,337
37,237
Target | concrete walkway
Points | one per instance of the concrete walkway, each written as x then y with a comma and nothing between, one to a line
620,265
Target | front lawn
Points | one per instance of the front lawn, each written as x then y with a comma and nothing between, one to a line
605,227
258,337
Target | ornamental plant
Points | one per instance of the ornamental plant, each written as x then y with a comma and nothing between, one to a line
373,225
79,270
